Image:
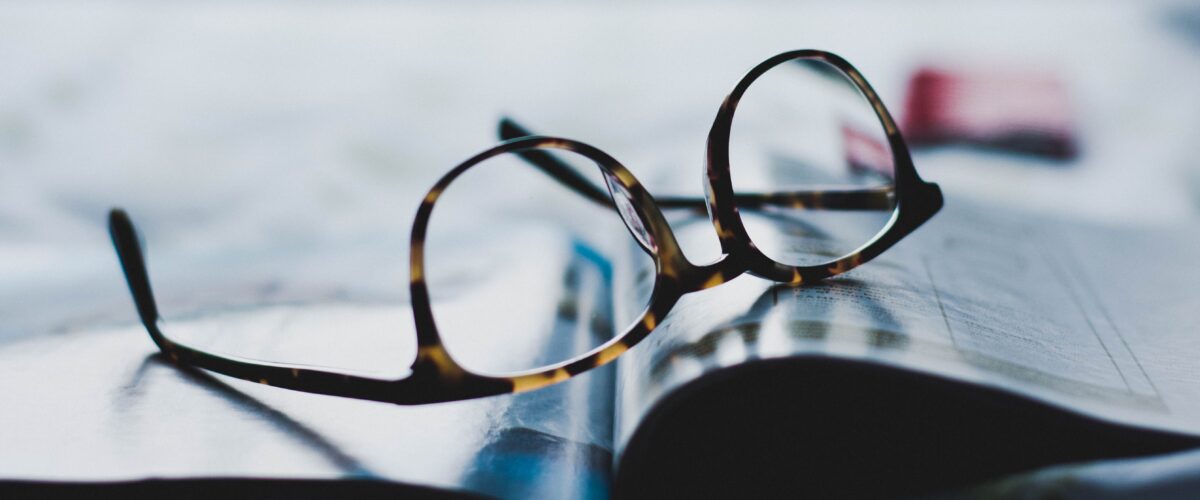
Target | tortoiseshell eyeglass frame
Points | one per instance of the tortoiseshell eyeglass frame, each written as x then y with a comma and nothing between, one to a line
435,376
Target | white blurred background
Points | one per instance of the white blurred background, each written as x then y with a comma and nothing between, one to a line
292,141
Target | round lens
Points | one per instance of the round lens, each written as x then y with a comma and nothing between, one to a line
811,166
521,268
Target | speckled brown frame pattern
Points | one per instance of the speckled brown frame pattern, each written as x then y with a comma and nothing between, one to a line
435,376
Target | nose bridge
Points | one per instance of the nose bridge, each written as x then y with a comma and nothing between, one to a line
701,248
695,277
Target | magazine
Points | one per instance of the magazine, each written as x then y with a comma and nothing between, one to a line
988,344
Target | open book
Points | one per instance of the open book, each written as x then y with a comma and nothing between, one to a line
986,344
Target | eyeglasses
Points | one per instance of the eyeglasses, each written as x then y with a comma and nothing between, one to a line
829,134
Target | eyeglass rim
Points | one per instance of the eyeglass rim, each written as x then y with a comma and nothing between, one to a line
463,383
916,200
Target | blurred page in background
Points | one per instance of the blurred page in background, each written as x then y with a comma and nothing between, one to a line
213,128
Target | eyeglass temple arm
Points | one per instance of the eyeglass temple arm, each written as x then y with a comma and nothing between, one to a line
835,198
129,250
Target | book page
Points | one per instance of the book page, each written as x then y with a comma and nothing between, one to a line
1096,320
101,404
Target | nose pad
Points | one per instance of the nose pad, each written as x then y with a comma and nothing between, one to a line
623,200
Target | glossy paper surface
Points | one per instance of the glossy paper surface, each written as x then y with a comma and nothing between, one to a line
102,405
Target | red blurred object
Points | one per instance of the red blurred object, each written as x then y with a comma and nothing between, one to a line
865,153
1024,112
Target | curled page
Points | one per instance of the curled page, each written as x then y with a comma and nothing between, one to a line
1026,330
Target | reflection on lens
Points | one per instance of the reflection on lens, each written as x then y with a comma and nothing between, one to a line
521,269
811,165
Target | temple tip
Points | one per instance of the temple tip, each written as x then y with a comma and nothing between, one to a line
127,243
510,129
117,218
